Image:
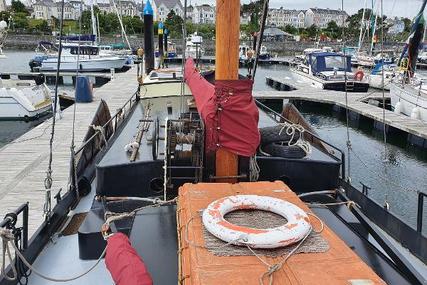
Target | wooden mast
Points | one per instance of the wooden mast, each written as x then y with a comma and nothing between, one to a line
227,68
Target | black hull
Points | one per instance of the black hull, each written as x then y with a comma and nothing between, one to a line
340,86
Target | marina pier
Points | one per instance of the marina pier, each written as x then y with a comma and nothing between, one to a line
357,104
25,160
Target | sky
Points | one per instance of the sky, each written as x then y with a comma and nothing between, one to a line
401,8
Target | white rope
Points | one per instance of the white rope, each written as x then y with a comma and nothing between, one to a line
291,130
8,239
275,267
115,216
254,169
101,130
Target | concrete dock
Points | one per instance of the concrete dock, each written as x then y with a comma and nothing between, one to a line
356,105
24,161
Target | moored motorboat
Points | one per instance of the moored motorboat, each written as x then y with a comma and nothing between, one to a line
23,99
332,71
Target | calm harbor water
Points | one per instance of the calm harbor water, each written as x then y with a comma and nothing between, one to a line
394,179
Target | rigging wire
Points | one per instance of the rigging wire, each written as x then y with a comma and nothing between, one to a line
47,208
348,143
73,174
386,204
261,35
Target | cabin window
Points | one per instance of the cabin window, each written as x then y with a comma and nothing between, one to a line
332,62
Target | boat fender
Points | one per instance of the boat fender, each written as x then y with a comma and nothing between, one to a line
359,75
296,228
131,146
124,263
415,114
284,150
398,108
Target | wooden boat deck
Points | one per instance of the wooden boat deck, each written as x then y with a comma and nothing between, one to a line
24,161
355,104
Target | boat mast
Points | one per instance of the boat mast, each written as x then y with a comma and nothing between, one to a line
373,33
92,17
119,16
227,68
362,26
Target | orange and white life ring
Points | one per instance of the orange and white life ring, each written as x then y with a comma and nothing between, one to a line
359,75
297,227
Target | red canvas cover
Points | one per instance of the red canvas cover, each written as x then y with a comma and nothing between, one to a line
124,263
228,111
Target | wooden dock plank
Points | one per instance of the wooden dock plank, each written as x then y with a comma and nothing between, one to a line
25,161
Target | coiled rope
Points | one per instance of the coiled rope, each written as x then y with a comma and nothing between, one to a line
291,130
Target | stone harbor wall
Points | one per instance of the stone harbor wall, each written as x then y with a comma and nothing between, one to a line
29,42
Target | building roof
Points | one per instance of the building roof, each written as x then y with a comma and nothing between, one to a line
170,4
205,7
274,32
328,11
44,3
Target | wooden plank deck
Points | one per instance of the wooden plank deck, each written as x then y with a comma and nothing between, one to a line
24,162
304,92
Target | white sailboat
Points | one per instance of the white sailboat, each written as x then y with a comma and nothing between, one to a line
409,92
410,99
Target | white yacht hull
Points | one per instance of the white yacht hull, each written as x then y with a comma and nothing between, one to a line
337,85
408,101
25,103
375,81
94,64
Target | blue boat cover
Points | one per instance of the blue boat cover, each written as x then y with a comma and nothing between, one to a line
82,38
329,61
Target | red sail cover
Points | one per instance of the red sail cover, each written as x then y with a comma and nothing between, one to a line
228,111
124,263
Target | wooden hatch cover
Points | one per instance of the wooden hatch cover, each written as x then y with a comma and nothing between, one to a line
197,265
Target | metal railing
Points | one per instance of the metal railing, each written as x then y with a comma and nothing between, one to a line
11,219
278,117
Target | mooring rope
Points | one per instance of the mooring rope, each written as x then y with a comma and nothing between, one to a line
8,239
254,169
291,130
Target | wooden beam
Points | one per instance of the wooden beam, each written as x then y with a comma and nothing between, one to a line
227,68
227,39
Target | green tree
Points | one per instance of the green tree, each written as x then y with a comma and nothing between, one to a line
312,31
333,30
20,20
174,24
408,24
290,29
18,7
5,16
